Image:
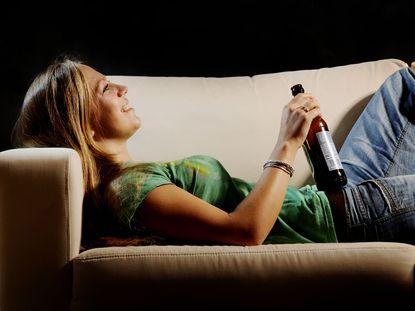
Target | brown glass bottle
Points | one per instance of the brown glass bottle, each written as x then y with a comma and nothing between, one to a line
322,156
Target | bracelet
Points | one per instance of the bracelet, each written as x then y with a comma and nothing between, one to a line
281,165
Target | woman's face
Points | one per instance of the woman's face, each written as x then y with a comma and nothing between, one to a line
114,118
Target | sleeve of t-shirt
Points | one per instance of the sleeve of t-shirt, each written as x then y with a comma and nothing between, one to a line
132,188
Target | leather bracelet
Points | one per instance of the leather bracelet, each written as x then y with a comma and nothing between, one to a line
280,165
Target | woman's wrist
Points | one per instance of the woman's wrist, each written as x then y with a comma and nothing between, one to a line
285,152
284,166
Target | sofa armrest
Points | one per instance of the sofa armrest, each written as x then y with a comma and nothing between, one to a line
41,193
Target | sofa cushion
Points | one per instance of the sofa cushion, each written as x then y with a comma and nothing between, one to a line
266,275
236,119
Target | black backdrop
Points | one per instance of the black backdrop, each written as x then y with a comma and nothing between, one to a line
196,38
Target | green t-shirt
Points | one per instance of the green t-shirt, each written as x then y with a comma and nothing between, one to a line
304,218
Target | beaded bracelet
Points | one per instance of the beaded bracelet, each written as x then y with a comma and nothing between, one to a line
281,165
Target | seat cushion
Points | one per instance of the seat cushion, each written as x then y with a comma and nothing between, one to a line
267,275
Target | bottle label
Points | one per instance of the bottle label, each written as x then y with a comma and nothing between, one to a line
329,150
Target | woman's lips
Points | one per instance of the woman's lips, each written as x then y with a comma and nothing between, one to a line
126,108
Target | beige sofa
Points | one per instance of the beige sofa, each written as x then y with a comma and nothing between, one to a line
236,120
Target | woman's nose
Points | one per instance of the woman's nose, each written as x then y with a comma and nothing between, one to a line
123,89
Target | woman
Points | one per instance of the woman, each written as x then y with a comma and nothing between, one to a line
195,200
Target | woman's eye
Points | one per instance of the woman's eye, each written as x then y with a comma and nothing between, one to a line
106,88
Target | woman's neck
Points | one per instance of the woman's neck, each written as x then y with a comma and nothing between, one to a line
118,150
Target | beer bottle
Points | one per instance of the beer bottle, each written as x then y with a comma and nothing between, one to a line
322,156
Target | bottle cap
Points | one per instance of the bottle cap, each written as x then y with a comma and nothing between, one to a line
295,89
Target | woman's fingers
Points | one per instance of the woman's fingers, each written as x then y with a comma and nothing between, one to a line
297,117
303,101
308,106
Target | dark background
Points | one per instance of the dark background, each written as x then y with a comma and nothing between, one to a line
196,38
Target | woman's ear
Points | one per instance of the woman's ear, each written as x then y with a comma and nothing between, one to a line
92,135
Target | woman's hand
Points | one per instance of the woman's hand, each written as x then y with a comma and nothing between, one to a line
296,119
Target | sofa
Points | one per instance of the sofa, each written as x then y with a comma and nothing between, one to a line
236,120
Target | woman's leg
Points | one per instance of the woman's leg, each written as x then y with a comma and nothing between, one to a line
379,159
382,142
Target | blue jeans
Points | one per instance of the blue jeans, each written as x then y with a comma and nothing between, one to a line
378,157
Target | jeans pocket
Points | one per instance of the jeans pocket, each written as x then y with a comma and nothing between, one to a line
383,210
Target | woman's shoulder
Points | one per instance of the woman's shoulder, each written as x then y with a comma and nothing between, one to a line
133,170
135,175
128,189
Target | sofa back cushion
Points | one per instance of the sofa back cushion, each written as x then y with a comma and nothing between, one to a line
236,119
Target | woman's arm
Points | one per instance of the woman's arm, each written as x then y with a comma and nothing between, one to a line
171,211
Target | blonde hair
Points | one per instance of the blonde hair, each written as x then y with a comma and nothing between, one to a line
56,112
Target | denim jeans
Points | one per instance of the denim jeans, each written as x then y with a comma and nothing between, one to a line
378,157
